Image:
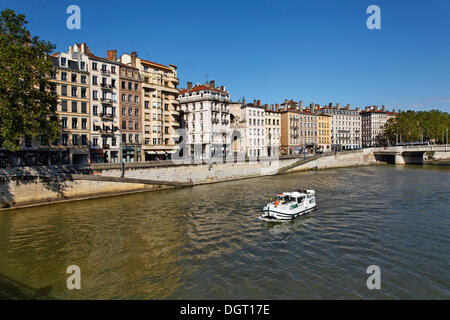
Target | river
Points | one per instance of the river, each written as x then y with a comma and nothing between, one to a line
205,242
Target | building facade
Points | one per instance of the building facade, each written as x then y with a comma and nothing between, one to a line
105,126
71,83
130,113
272,132
324,132
345,127
373,120
290,127
253,115
205,117
159,99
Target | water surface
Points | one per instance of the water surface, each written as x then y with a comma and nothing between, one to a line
206,242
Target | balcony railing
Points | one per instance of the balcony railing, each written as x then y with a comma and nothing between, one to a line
106,101
106,86
106,116
105,72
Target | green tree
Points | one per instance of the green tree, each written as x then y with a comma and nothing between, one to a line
27,104
414,126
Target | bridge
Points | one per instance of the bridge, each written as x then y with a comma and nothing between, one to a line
407,154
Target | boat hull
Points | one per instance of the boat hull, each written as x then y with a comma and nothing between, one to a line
275,215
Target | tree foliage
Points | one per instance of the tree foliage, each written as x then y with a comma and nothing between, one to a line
411,125
27,105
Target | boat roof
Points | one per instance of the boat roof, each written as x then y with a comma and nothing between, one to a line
296,194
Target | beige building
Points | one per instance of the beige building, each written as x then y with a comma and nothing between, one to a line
71,83
160,119
272,130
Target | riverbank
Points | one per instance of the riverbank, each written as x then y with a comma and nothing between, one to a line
33,188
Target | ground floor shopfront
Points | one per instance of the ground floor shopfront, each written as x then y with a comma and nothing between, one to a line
44,156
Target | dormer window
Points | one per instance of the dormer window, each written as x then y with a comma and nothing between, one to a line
63,61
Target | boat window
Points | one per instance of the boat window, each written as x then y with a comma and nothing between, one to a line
300,199
287,198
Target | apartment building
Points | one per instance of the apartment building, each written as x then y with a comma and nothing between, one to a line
71,83
238,128
159,101
308,128
253,115
104,122
130,112
373,120
290,128
345,126
272,131
205,115
324,132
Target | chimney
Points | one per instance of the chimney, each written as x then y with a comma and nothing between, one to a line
133,59
189,85
212,84
277,107
348,106
243,101
258,102
311,105
254,102
330,105
358,109
338,105
112,55
300,104
366,109
382,108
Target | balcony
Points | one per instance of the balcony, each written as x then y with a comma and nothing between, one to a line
106,101
106,86
105,72
107,116
215,120
106,146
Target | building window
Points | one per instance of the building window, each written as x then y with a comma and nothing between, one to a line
74,123
63,61
64,76
63,90
84,123
84,140
94,65
94,95
64,139
75,140
95,110
83,107
74,77
94,79
64,122
74,91
63,106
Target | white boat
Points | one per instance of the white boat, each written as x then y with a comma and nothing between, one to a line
290,205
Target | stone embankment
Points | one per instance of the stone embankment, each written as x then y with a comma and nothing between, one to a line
40,185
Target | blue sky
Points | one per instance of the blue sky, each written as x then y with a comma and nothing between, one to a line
316,51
